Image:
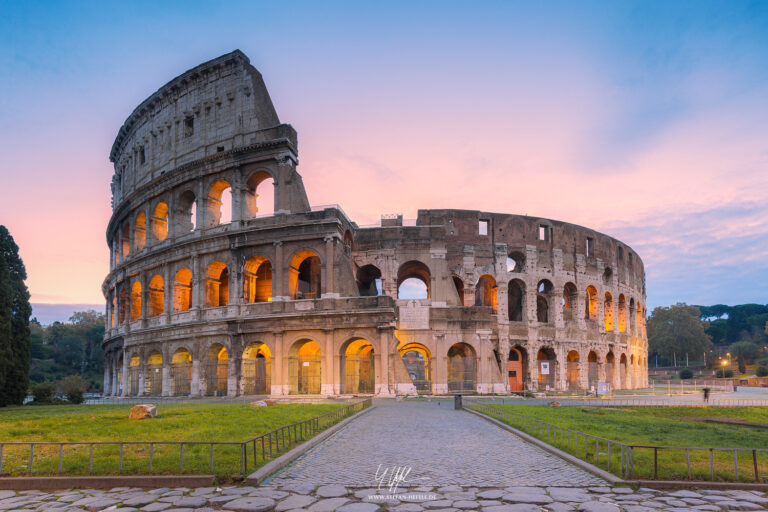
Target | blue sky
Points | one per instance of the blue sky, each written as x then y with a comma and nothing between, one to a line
645,120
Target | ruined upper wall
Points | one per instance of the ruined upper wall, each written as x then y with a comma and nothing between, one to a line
214,107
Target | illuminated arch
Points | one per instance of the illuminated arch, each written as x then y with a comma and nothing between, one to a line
409,275
358,372
304,281
156,301
257,279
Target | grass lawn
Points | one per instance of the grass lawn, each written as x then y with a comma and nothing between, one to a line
659,426
177,422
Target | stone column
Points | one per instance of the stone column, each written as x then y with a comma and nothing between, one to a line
167,292
194,385
198,278
142,378
328,372
166,379
327,284
107,377
113,371
126,387
278,274
382,372
278,377
533,367
531,293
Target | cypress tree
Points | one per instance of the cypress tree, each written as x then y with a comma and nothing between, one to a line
6,300
16,381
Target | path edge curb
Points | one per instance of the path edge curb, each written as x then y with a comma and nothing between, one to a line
265,471
20,483
605,475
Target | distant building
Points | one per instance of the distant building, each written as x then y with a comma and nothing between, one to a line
202,301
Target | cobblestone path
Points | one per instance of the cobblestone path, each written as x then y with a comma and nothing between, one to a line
442,446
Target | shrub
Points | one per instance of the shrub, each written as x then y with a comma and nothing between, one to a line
762,371
728,374
686,373
74,387
43,392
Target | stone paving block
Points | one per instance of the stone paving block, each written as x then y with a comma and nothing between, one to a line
327,505
295,501
156,507
527,497
516,507
598,506
331,491
250,504
358,507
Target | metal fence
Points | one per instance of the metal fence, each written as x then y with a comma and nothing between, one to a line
632,461
630,402
222,458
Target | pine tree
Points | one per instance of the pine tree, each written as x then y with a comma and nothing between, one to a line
16,381
6,301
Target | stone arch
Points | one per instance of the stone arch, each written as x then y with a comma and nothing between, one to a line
260,194
216,285
570,295
134,368
486,292
632,316
622,313
462,368
182,290
153,383
160,221
136,300
543,296
418,363
516,261
304,281
368,278
593,362
591,306
357,367
573,371
126,239
623,370
122,310
216,370
516,300
610,368
256,370
409,275
608,312
517,368
181,372
140,231
185,214
305,368
458,283
547,366
156,298
257,279
219,203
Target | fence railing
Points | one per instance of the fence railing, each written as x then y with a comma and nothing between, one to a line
222,458
635,461
627,402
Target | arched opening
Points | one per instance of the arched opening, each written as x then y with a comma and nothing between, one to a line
590,312
160,221
216,370
304,281
573,371
112,307
622,313
459,285
257,279
485,292
256,369
140,231
608,312
418,364
639,318
623,371
260,194
632,316
181,372
154,380
182,290
156,304
126,239
515,300
592,369
219,203
547,364
368,279
570,295
462,369
123,305
610,364
216,285
185,216
357,367
135,301
607,275
305,368
413,281
134,367
516,262
517,368
543,295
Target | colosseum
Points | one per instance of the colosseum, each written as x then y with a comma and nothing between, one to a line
224,281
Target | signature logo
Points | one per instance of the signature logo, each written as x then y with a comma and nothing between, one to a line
391,477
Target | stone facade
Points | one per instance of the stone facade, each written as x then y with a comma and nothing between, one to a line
202,301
